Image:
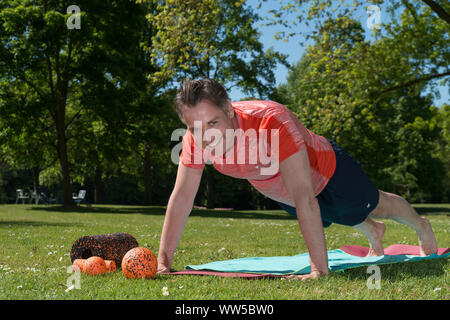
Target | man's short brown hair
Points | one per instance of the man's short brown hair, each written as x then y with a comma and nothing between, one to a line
192,92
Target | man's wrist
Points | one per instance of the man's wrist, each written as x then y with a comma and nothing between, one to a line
320,269
163,268
320,272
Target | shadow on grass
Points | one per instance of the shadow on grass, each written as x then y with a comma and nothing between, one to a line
235,214
438,210
101,209
248,214
29,223
400,271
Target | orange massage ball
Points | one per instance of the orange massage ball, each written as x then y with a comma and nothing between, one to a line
79,264
95,266
139,263
110,266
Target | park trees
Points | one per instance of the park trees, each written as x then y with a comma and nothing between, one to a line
96,96
96,101
417,28
442,149
213,39
23,145
369,96
38,51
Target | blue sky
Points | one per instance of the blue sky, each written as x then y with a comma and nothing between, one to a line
294,50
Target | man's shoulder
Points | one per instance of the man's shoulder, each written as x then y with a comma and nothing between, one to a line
259,108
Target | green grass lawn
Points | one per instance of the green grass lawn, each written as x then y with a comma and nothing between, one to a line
36,243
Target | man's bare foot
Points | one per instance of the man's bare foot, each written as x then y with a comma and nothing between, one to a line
377,230
427,240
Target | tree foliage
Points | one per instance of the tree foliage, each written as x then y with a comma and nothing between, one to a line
93,106
417,29
338,90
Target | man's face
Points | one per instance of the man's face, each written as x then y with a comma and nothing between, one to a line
209,123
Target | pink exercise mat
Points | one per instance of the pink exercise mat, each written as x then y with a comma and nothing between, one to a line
228,274
395,249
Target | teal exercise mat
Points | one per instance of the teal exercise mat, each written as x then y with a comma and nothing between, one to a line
339,259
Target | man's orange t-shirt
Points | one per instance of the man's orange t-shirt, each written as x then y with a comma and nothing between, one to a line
260,122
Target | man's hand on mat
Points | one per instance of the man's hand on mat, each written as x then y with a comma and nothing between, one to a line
312,275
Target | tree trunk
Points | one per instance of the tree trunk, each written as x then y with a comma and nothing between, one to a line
63,158
98,185
35,171
147,176
64,165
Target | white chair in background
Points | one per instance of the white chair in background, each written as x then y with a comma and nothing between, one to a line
21,195
80,197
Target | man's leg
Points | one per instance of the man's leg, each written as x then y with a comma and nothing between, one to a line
374,231
392,206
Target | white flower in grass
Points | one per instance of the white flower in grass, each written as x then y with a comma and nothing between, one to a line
165,291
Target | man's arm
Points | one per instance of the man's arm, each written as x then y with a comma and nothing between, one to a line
178,209
296,176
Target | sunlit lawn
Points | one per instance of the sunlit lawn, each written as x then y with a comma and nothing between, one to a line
36,242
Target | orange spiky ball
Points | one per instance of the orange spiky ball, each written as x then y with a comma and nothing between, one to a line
79,264
139,263
95,266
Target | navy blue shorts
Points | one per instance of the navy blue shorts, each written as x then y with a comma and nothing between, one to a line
349,196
